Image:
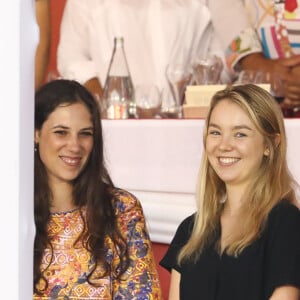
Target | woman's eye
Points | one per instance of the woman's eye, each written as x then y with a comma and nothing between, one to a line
60,132
87,133
214,132
240,134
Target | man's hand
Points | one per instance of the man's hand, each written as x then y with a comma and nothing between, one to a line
286,69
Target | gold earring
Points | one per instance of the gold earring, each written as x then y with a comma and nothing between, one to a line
267,152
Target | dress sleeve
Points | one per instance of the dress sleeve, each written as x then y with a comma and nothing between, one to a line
245,43
283,248
169,261
73,59
141,280
233,27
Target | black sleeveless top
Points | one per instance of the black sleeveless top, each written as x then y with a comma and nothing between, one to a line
271,261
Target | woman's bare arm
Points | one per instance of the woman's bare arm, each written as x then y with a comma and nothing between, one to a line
42,10
286,293
174,285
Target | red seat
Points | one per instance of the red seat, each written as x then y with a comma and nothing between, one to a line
164,276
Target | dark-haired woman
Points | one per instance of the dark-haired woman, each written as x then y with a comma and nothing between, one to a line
91,240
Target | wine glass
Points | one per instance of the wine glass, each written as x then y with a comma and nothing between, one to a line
277,87
179,75
207,70
246,76
148,101
170,105
262,77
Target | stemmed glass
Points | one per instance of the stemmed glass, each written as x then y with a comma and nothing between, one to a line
276,87
207,70
148,101
247,76
261,77
179,75
170,106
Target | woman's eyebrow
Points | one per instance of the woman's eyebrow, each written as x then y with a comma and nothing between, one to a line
242,127
213,125
60,126
236,127
88,128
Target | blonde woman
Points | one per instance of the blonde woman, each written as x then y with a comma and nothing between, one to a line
244,240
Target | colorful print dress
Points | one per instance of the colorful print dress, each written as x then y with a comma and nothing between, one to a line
71,262
275,30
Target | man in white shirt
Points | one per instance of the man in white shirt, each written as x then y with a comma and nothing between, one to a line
156,33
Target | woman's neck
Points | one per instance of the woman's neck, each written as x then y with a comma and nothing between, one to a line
234,201
62,197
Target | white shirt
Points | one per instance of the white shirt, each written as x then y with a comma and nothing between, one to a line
156,33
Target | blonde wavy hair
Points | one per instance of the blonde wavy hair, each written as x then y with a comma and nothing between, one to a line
272,183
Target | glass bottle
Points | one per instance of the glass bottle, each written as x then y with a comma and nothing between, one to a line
118,91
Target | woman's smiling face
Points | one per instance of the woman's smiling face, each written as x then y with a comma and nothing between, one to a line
234,146
65,142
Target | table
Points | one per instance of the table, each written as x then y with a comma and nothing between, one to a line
158,161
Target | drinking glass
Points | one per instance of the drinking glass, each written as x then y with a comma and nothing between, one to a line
276,87
148,101
260,77
246,76
179,75
170,105
207,70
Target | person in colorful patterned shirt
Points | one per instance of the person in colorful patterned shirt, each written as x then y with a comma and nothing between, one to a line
263,35
91,239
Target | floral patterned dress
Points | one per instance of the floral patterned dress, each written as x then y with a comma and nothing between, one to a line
71,262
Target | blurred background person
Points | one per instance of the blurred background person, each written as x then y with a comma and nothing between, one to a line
156,34
262,36
42,9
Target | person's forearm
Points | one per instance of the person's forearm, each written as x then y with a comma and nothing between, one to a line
43,49
95,88
286,293
257,61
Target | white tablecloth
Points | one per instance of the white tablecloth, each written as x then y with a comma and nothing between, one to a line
158,161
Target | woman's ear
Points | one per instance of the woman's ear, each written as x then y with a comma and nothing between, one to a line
36,136
277,139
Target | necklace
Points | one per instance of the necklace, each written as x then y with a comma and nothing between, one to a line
65,212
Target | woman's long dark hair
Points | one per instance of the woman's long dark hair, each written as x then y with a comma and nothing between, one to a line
91,189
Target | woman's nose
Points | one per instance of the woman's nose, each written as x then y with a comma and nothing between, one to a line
74,143
225,143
